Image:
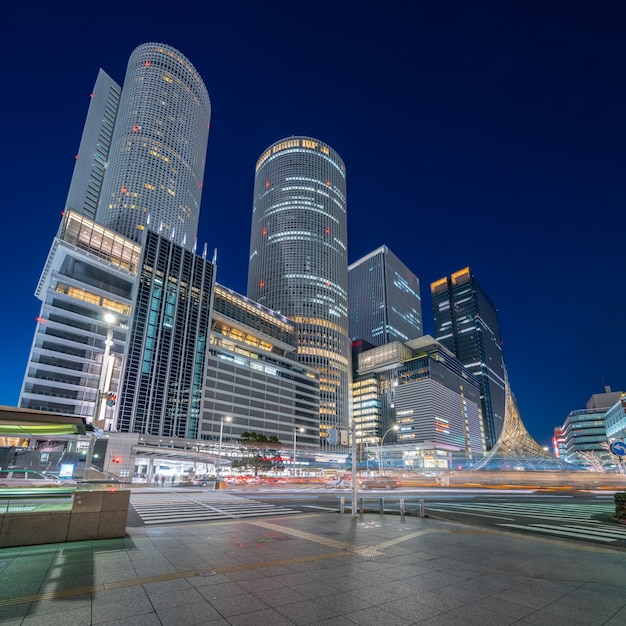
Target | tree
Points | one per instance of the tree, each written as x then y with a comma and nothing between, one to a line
259,457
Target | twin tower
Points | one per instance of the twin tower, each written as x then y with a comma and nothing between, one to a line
140,168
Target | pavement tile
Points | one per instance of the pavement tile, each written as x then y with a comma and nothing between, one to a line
259,618
307,612
236,605
188,614
77,616
375,616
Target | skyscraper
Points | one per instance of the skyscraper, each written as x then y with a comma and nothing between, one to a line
158,149
466,322
298,263
93,153
167,341
385,303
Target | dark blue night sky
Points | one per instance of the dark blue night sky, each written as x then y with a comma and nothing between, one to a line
488,134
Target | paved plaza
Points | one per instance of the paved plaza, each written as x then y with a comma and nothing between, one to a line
314,569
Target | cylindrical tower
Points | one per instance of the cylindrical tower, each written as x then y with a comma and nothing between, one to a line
299,263
158,151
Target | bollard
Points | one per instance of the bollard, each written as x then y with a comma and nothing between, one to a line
381,505
421,507
342,505
362,505
401,506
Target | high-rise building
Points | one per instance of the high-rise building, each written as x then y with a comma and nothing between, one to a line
466,322
158,148
168,340
298,263
93,154
77,356
384,295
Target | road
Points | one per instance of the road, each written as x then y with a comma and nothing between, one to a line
574,515
583,516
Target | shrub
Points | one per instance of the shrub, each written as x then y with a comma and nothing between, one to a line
620,506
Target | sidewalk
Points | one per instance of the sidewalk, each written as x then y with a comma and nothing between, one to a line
314,569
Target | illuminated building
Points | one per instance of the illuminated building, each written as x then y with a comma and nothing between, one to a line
424,389
384,295
95,143
466,322
90,271
615,420
298,263
158,149
253,376
168,341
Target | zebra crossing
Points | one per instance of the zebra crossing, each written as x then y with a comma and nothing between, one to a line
576,521
177,508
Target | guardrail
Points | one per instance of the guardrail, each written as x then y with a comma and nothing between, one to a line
404,507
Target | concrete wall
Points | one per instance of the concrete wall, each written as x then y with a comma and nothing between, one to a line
94,515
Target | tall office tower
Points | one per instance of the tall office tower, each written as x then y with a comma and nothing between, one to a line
95,143
158,150
298,263
384,295
168,341
466,322
77,352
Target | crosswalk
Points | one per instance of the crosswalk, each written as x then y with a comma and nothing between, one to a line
176,508
572,520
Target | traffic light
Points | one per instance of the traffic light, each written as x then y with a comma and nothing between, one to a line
111,398
116,459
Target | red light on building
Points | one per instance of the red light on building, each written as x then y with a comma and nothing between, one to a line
261,283
328,183
147,63
135,128
264,231
123,189
328,283
328,230
76,156
116,459
41,320
267,184
91,95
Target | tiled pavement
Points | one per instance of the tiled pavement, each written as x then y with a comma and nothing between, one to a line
315,569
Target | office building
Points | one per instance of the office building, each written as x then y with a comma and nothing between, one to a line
384,295
466,322
158,148
298,264
77,356
254,381
168,341
93,154
423,388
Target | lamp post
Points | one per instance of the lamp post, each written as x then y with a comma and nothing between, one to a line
382,439
293,460
219,449
104,368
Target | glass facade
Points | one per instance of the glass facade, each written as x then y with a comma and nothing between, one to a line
158,149
93,153
168,343
385,303
298,262
423,389
466,322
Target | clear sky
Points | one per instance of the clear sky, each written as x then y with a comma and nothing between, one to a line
488,134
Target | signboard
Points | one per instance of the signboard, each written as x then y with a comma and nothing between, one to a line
618,448
67,470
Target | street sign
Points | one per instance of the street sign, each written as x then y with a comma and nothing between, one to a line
618,448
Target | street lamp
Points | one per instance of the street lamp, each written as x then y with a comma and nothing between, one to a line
219,449
104,368
295,431
381,471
